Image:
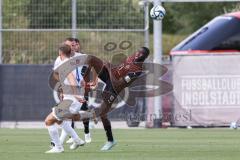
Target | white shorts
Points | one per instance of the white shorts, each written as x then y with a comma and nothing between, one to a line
65,109
75,106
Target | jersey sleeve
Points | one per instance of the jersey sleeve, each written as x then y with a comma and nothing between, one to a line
57,63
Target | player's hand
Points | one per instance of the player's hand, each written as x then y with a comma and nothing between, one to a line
80,99
83,100
61,96
91,85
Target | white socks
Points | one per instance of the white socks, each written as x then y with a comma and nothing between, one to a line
63,136
66,126
53,132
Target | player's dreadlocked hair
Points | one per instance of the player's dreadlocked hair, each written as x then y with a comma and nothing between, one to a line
145,52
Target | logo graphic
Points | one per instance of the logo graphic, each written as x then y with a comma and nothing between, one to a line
148,84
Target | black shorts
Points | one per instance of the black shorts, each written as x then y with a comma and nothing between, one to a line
84,106
105,77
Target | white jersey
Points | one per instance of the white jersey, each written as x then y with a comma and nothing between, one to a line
75,107
58,60
77,72
67,91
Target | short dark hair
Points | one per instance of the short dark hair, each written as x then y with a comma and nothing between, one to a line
66,49
76,40
69,39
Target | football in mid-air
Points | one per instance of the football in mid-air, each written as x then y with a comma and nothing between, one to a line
157,12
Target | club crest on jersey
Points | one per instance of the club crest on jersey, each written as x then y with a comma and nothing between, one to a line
76,62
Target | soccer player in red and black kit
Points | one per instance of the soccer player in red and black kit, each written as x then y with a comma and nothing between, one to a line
116,79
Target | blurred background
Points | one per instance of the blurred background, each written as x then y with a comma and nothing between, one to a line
32,29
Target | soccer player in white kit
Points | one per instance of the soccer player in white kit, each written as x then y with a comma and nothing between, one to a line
76,47
75,52
73,109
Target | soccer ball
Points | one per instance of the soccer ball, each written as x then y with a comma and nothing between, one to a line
157,12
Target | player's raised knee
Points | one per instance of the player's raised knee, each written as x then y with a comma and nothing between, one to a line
47,123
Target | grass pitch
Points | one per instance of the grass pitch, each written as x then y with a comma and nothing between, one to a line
135,144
